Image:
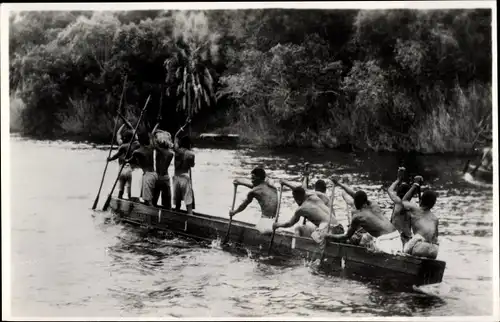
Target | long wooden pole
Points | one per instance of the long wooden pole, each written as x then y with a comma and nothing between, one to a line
108,200
226,238
275,220
96,201
192,190
466,167
306,178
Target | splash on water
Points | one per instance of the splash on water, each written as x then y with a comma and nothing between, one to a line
470,179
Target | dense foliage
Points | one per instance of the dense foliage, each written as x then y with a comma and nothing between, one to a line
383,80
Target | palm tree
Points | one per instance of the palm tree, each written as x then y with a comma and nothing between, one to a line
188,73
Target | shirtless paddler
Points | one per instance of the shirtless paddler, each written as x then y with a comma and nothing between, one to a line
380,234
424,223
262,190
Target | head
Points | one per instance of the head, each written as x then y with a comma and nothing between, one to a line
143,138
185,142
163,139
258,176
299,194
320,186
402,190
127,136
360,199
428,199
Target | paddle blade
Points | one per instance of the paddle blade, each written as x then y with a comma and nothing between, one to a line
106,204
95,203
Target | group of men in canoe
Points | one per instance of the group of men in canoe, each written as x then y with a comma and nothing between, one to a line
153,153
412,229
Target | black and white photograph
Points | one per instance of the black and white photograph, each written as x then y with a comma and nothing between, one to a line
250,160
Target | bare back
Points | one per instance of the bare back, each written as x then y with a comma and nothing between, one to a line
144,157
123,151
163,159
320,195
315,210
267,197
184,160
401,220
425,223
373,221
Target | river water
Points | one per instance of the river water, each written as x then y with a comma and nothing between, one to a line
67,261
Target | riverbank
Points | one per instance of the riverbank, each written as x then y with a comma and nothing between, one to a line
236,142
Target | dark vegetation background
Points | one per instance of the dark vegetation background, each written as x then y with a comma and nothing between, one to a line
405,80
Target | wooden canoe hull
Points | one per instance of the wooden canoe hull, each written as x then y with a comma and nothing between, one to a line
481,173
353,260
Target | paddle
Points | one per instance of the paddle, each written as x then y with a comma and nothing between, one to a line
108,200
275,220
473,145
477,166
306,178
125,121
192,191
226,238
111,146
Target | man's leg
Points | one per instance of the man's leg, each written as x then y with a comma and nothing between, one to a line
121,185
187,194
166,195
156,193
149,182
177,193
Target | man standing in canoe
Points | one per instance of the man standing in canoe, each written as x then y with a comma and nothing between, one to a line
143,156
125,179
424,223
312,208
183,162
380,234
162,142
262,190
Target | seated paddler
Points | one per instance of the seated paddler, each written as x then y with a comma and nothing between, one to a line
266,195
380,235
312,208
424,224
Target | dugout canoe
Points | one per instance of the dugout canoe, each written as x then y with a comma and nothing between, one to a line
481,174
405,271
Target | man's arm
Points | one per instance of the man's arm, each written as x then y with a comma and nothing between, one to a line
392,192
408,204
353,227
436,235
119,138
343,186
133,157
243,205
118,153
155,128
290,184
417,181
295,219
243,182
348,199
126,122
